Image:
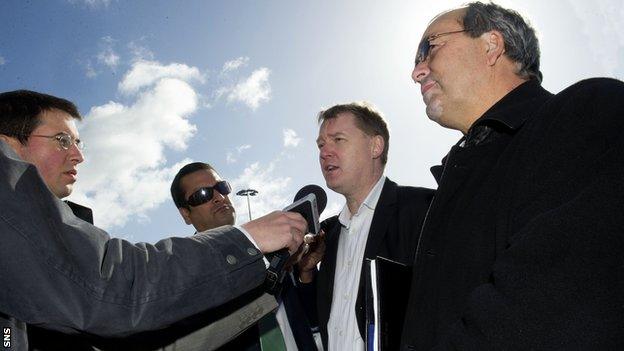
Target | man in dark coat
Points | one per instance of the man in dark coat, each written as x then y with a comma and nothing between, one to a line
379,218
523,244
66,283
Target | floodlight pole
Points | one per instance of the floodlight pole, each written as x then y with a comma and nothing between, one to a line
248,193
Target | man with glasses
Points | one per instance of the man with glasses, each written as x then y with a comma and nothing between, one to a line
522,247
66,285
48,140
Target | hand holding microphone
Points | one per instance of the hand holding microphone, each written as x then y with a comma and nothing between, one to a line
309,202
277,230
311,256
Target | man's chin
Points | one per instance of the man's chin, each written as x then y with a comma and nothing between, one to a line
227,218
63,192
332,184
434,111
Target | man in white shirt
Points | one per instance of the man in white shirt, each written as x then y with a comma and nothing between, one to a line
379,218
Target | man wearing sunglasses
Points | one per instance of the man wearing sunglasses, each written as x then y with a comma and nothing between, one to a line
522,246
66,285
202,198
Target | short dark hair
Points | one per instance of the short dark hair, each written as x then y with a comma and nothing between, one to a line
367,119
20,111
176,190
521,44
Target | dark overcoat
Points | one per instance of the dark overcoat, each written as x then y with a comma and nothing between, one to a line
523,245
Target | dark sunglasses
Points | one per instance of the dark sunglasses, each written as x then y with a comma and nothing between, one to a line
205,194
424,47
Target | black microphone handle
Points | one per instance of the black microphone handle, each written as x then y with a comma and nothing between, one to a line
275,272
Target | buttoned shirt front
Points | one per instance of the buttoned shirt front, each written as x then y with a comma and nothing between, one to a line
342,328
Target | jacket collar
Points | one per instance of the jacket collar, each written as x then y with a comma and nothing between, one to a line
82,212
507,115
515,108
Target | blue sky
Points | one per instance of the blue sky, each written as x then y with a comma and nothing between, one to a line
238,84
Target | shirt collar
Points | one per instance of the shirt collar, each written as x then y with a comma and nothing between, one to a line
369,202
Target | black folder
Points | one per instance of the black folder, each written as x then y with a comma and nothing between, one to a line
387,291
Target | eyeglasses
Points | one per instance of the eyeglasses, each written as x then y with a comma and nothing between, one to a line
424,47
205,194
64,140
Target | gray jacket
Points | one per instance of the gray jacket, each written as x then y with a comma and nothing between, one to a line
62,273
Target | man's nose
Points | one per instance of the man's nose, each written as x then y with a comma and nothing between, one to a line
76,155
421,71
325,151
217,196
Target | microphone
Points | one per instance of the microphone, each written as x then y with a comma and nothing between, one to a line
309,202
319,193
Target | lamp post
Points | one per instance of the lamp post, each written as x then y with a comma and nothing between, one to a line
248,193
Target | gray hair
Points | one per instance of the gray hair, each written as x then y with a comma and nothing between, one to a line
521,44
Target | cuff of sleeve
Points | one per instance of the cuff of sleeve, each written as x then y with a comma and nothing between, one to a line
248,236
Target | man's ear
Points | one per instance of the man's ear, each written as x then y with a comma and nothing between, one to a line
378,146
13,143
495,46
186,214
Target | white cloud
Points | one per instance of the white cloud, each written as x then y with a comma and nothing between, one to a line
272,191
109,58
234,64
140,52
145,73
251,91
90,71
243,148
232,156
2,61
107,55
125,173
290,138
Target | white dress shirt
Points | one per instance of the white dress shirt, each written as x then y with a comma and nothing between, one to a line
342,327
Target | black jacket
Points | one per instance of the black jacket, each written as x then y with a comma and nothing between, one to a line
393,234
523,245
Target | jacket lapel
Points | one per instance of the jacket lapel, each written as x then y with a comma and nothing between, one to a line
328,267
384,211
